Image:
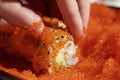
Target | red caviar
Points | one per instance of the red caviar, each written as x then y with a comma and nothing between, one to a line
99,51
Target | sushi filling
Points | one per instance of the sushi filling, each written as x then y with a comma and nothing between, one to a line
67,55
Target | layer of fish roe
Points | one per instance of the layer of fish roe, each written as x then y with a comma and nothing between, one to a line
100,50
49,51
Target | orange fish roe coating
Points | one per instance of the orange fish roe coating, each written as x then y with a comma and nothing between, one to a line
99,57
42,49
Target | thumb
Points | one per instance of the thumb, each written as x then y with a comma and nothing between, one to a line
15,14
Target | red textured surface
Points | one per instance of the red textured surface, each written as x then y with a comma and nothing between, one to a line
99,56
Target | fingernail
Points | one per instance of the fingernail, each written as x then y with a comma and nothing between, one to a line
37,18
85,25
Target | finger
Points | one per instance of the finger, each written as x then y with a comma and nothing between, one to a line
84,8
71,16
15,14
3,23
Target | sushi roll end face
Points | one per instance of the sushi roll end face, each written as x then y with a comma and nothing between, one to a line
66,56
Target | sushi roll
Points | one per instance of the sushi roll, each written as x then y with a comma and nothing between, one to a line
49,51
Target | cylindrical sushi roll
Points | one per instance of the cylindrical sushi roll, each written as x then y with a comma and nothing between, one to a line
52,50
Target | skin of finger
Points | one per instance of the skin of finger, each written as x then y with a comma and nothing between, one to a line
3,23
71,16
84,8
15,14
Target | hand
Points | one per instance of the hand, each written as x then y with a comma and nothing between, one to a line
74,12
12,12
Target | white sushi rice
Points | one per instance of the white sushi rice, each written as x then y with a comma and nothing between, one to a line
66,56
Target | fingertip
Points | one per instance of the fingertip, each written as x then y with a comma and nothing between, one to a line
17,15
28,16
75,28
74,24
37,18
85,25
71,16
85,21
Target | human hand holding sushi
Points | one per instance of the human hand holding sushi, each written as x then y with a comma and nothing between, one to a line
46,53
13,13
75,13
